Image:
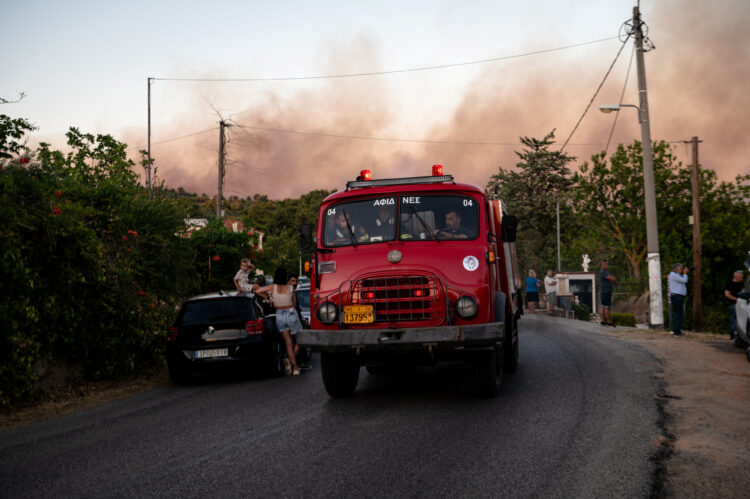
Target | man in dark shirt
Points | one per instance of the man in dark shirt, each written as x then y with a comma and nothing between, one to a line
606,286
731,291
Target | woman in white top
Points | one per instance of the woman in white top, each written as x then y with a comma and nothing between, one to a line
284,301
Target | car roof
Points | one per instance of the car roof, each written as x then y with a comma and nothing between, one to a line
218,295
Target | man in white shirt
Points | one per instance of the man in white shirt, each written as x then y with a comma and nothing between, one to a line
550,286
677,286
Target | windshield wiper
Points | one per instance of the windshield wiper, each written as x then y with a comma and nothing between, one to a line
424,224
349,226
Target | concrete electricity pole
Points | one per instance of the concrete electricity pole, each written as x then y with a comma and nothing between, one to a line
222,125
652,229
697,251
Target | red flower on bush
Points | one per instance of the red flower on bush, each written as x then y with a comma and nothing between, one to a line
124,238
217,258
24,161
58,193
133,233
56,210
140,292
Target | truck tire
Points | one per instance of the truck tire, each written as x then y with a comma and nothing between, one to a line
340,373
510,326
490,370
180,370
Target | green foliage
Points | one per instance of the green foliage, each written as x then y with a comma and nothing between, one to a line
530,194
620,319
582,311
11,132
91,268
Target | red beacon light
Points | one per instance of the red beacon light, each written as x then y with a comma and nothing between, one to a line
437,170
365,175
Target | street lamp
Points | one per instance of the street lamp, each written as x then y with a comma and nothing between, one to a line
652,231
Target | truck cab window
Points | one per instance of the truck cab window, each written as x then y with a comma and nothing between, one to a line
438,217
360,222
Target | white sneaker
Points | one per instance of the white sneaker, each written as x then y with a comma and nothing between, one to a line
287,367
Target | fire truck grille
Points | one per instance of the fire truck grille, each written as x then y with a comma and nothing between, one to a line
399,299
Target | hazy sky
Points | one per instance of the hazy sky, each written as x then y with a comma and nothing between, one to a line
86,64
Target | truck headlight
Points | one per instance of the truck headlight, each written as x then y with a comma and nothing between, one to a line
327,312
466,307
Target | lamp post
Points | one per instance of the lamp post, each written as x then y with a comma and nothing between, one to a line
652,232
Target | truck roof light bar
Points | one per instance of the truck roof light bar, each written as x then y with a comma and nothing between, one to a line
357,184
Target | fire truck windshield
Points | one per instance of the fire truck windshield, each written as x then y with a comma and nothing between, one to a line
420,217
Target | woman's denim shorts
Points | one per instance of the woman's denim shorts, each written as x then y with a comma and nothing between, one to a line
287,319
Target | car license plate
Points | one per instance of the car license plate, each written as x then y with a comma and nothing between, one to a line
215,352
358,314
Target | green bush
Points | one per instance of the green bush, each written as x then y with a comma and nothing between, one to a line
91,266
582,311
627,320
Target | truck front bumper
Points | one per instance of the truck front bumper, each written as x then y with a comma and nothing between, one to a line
445,338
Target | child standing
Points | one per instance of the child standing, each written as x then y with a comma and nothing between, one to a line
242,277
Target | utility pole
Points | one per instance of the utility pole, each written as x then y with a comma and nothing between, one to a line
148,158
697,250
221,168
652,230
557,210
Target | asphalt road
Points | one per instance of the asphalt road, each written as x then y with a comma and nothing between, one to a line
578,419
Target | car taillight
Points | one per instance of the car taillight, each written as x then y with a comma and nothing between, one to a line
254,326
173,333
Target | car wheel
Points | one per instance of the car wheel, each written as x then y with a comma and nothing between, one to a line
180,370
275,361
340,373
738,341
489,368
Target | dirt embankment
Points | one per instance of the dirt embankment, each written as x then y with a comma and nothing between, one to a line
707,412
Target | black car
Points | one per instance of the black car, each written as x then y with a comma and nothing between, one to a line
222,328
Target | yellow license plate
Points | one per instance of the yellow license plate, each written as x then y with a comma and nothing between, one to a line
358,314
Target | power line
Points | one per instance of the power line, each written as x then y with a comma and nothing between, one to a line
185,136
394,71
622,46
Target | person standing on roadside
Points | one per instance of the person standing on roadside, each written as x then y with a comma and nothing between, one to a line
677,285
732,291
532,291
607,283
550,286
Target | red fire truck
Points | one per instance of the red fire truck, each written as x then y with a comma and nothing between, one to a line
413,271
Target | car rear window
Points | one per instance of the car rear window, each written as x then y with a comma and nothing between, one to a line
303,297
210,311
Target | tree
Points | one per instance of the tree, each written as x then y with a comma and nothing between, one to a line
531,194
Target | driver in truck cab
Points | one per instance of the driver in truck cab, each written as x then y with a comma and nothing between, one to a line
452,229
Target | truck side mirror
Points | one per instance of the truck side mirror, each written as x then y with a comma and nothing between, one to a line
305,237
509,225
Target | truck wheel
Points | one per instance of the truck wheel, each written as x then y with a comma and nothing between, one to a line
180,370
490,370
340,373
510,327
510,347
